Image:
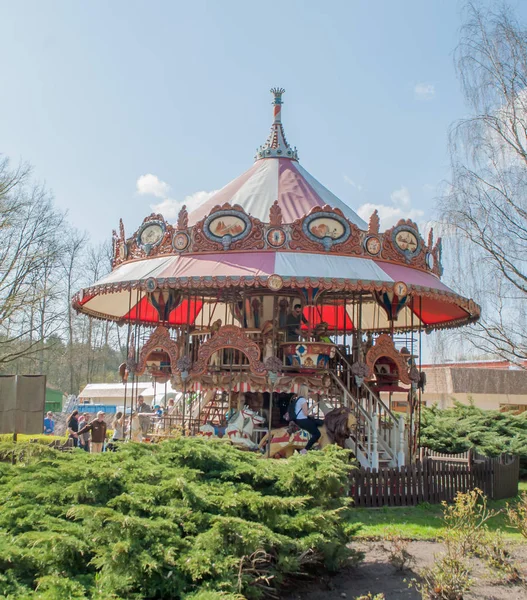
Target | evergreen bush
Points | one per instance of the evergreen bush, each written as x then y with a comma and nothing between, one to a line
187,518
463,426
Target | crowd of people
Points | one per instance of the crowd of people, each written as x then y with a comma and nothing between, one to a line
91,434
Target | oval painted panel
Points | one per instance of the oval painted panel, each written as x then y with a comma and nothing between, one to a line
406,241
227,225
326,227
151,234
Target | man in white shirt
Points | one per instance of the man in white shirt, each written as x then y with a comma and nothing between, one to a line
303,420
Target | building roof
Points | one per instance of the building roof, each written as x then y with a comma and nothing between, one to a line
479,364
468,380
111,390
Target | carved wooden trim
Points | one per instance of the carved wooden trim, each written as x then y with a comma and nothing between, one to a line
275,215
374,224
125,250
229,336
384,347
160,338
182,219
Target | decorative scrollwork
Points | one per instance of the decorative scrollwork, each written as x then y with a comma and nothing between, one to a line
384,347
374,224
159,339
229,336
275,214
182,219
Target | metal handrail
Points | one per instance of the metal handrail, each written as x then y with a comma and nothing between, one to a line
377,397
364,414
392,452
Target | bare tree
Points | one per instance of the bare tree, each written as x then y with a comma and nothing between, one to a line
98,262
72,255
29,226
485,210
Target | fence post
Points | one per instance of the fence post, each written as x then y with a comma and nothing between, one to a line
374,442
400,454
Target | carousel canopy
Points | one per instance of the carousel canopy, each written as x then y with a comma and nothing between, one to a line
276,231
276,176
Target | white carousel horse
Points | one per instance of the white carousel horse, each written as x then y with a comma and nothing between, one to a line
207,430
241,426
239,429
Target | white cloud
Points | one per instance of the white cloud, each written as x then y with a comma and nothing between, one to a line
357,186
170,208
424,91
401,197
151,185
401,208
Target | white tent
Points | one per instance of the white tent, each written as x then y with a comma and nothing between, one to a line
113,393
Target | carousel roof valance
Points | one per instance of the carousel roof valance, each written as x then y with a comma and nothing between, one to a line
285,273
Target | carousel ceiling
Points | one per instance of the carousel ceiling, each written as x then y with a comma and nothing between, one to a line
275,230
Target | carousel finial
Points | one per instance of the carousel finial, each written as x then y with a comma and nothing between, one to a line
277,103
276,145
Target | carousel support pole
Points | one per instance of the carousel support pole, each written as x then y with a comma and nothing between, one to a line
375,442
129,333
187,349
359,333
269,420
400,454
419,397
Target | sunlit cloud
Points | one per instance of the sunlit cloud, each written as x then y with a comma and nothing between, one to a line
354,184
424,91
170,207
390,214
151,185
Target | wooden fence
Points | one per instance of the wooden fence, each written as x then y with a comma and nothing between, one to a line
436,478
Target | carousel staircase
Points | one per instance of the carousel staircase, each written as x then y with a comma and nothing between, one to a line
378,439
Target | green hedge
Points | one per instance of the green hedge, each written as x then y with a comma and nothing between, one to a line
462,427
39,437
186,518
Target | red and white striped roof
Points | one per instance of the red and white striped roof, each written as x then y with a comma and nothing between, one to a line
276,175
113,299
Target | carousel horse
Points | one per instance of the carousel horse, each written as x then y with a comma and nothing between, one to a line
209,431
241,426
337,428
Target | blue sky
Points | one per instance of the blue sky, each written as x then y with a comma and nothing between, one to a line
98,94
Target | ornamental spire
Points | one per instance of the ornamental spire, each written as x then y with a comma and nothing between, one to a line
276,145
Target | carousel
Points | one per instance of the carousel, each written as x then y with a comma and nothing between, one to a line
271,284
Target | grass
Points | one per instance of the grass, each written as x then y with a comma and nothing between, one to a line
422,522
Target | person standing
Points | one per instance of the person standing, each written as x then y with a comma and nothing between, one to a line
136,433
293,323
84,438
142,406
98,433
49,424
303,419
72,427
143,410
118,428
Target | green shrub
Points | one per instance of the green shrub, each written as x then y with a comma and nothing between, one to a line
517,514
464,426
36,437
186,518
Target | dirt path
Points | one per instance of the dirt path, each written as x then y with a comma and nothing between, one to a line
375,574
